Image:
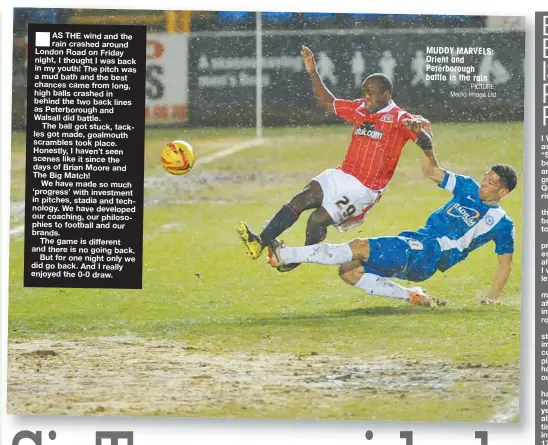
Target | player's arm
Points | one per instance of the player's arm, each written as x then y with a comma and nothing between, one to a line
504,248
430,167
501,275
324,96
420,131
425,140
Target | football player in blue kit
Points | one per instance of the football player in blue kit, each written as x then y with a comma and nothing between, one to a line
472,218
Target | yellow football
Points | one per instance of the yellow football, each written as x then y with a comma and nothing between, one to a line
178,157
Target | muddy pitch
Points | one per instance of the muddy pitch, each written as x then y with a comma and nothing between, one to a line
132,377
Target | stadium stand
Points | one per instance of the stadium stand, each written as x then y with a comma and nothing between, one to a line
238,20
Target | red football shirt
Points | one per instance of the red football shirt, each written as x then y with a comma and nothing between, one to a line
377,141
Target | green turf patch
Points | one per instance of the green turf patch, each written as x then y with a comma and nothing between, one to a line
201,289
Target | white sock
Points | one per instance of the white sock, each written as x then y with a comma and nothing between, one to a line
330,254
375,285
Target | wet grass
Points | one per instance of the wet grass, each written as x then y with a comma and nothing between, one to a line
236,304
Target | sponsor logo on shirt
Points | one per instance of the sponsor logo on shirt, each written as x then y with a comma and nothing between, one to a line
368,130
469,216
387,118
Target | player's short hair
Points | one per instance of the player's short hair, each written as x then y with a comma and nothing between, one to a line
384,80
507,175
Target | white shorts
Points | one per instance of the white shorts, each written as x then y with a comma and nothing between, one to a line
345,198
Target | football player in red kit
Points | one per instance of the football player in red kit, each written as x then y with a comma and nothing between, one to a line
342,196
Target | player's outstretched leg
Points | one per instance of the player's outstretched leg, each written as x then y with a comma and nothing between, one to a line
310,197
316,231
353,255
328,254
354,274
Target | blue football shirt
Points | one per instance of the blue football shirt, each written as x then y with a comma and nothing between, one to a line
465,223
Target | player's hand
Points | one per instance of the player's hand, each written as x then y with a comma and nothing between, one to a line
418,124
308,58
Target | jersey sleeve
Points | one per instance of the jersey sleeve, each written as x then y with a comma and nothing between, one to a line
346,110
504,239
458,184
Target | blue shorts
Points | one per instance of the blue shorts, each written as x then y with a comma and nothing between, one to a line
403,257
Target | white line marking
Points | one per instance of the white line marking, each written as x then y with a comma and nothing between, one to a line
212,157
227,152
